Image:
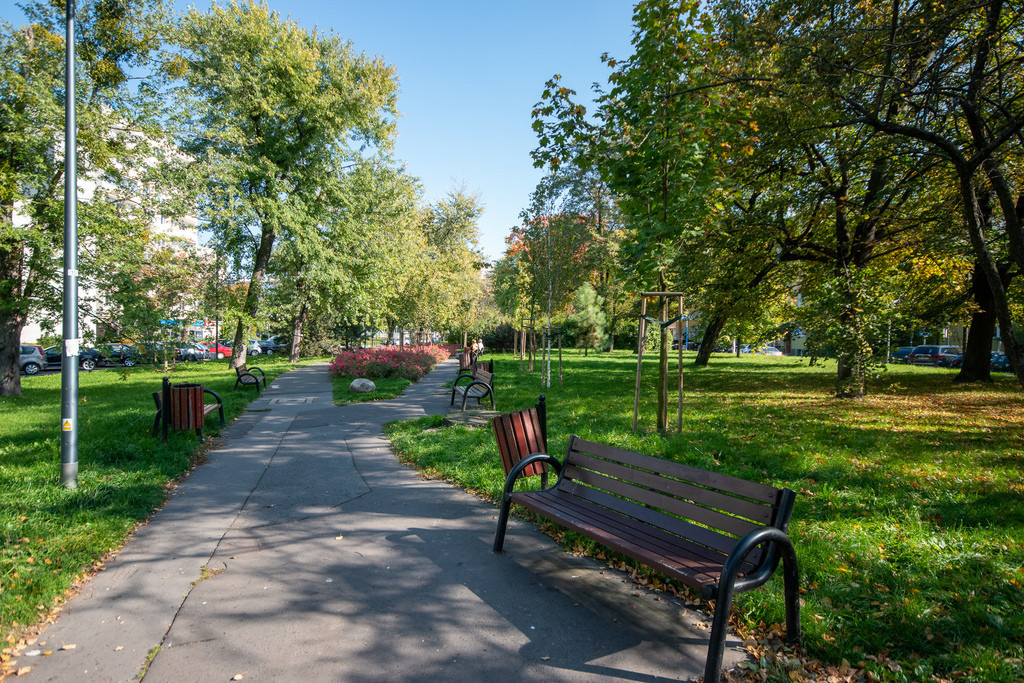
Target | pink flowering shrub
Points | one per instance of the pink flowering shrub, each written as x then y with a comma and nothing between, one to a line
410,363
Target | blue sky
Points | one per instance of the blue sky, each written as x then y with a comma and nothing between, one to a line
470,72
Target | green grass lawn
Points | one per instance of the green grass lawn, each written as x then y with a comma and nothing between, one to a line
50,535
387,387
909,519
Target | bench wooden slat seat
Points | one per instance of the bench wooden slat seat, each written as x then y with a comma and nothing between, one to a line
250,376
479,386
716,533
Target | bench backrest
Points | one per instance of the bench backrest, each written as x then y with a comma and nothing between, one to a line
485,377
241,369
518,435
714,510
466,359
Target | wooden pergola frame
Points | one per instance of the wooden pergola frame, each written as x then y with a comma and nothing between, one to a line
642,336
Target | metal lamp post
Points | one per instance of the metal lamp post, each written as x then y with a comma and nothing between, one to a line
72,342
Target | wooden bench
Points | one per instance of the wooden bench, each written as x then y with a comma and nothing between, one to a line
719,534
480,386
520,435
466,360
246,376
166,419
468,364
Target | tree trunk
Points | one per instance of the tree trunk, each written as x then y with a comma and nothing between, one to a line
977,362
10,352
252,296
712,331
611,336
851,375
12,316
297,325
1000,305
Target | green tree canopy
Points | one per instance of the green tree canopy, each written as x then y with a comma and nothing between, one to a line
271,114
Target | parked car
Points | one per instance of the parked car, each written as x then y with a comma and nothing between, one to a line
769,351
217,350
119,353
900,354
88,359
31,359
933,355
271,346
192,352
254,348
1000,363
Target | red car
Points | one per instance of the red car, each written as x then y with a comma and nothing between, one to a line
217,350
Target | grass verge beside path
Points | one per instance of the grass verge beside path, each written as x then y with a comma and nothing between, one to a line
49,535
387,388
909,519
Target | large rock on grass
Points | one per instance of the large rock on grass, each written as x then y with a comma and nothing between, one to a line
362,386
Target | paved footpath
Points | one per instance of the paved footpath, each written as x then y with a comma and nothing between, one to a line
303,551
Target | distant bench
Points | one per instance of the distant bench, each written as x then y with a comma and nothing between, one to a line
480,386
247,377
719,534
468,364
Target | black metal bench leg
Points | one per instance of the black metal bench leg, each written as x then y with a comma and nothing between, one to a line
719,630
723,602
499,535
791,582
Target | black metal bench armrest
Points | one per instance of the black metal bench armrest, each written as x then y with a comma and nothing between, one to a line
220,403
777,539
456,389
513,473
486,390
253,368
510,481
461,377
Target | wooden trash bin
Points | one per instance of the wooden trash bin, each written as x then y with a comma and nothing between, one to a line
186,406
183,406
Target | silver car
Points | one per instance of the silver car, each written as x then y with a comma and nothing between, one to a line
32,359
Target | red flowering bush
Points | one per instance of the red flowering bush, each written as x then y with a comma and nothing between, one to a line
410,363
